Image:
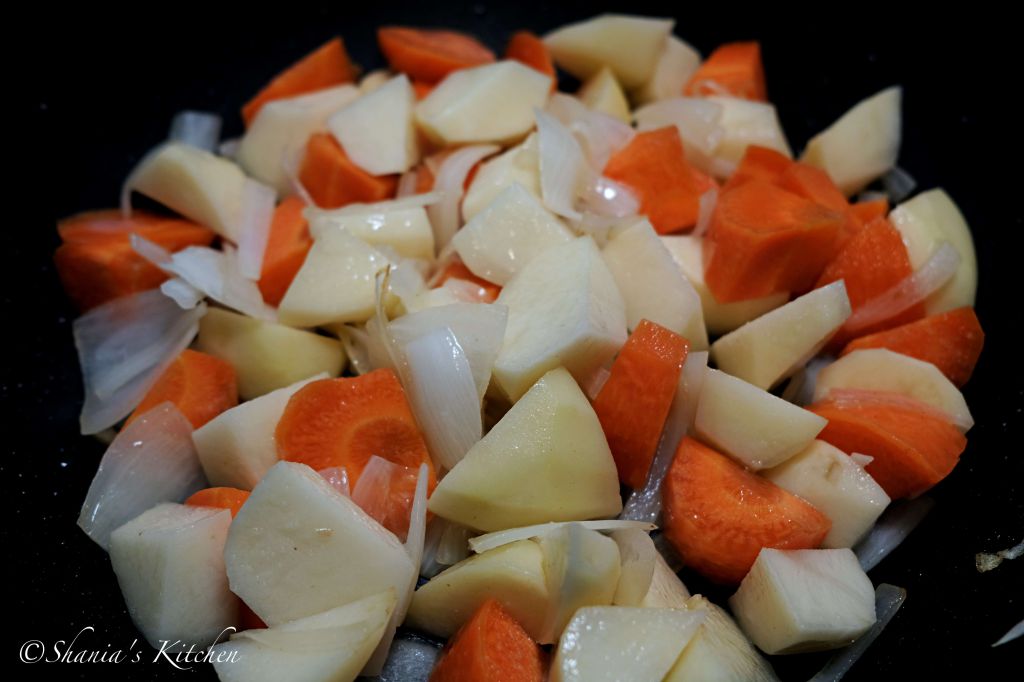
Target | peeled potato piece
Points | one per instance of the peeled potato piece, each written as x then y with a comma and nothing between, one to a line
629,45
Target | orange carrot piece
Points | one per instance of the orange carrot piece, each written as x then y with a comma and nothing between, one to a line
952,341
815,184
456,269
490,647
200,385
325,67
333,181
913,445
430,54
527,48
867,211
719,516
96,262
764,240
654,166
635,400
734,69
286,251
343,422
422,88
759,163
231,499
389,497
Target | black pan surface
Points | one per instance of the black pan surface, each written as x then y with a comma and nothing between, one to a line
94,89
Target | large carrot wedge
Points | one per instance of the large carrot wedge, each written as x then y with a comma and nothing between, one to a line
654,166
719,516
815,184
527,48
333,181
430,55
952,341
343,422
490,647
914,446
96,262
200,385
732,69
327,66
635,400
287,247
231,499
765,240
759,163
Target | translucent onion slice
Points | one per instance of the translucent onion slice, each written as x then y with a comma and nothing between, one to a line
443,395
800,389
598,134
595,381
891,529
604,197
985,562
899,184
645,504
909,291
696,119
488,541
705,209
123,347
445,215
313,213
1015,632
861,460
383,486
453,546
338,478
196,128
182,293
407,184
258,201
888,600
151,461
563,169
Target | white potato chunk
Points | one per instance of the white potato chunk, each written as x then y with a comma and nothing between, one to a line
406,229
519,165
676,63
765,351
667,591
629,45
377,130
602,92
745,122
169,563
546,460
804,600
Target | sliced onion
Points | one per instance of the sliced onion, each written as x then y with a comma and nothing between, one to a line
696,119
407,184
800,389
312,213
258,202
445,216
986,562
291,163
182,293
563,170
600,136
379,491
908,292
1014,633
453,546
489,541
706,209
645,504
338,478
861,460
123,347
604,197
151,461
443,395
598,227
594,382
899,184
196,128
892,528
888,600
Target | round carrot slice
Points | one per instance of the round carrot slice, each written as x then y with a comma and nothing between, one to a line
200,385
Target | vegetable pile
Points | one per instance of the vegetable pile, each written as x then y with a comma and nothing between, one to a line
439,347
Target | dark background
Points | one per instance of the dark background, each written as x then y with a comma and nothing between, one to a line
94,89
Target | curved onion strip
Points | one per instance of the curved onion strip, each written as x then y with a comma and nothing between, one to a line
645,504
313,213
909,291
899,184
697,120
445,215
407,184
706,209
151,461
123,347
338,478
563,170
454,544
891,529
888,600
985,562
290,163
182,293
599,135
861,460
1015,632
594,382
258,202
604,197
800,389
488,541
196,128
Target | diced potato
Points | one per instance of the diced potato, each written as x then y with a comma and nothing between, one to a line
602,92
546,460
280,130
333,645
489,103
616,643
377,130
837,486
519,165
629,45
374,80
564,309
676,63
298,547
336,283
769,349
720,318
925,222
267,356
639,558
880,369
169,563
507,234
237,447
804,600
667,591
744,123
862,145
719,651
751,425
513,574
652,285
406,229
